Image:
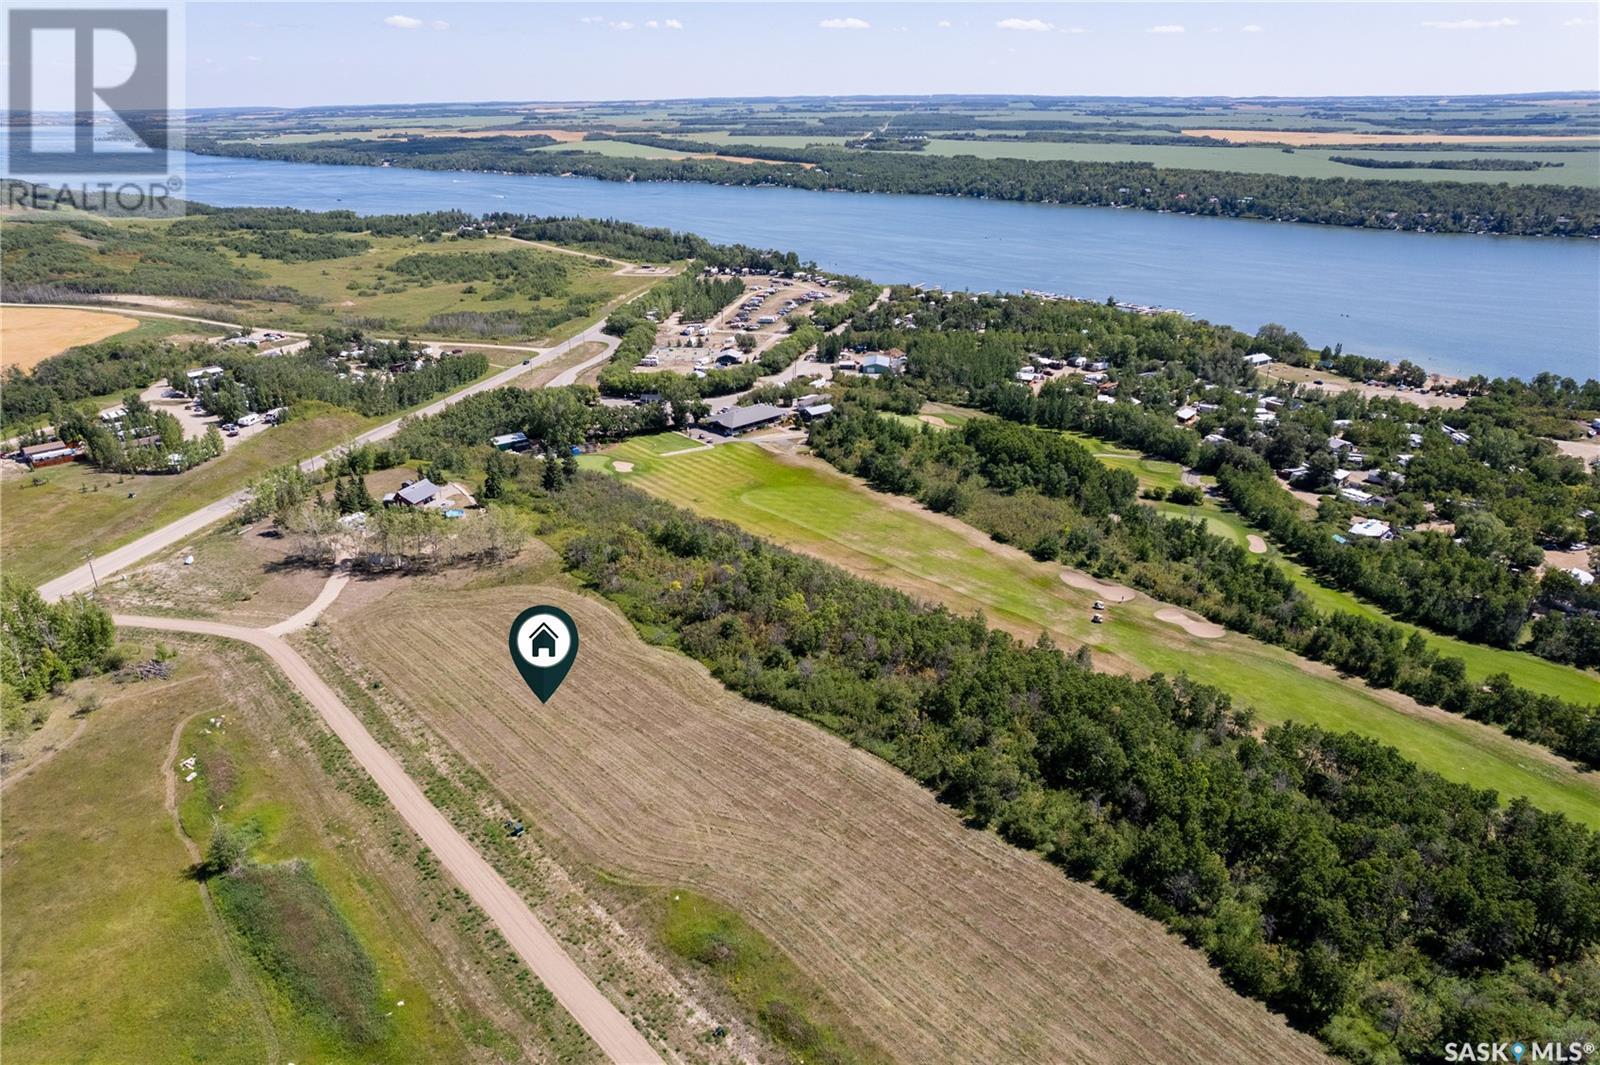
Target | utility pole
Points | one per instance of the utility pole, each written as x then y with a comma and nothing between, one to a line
89,558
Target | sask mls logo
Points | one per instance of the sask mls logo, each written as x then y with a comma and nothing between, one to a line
90,65
1519,1052
544,643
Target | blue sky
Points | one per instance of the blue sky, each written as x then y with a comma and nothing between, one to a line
328,53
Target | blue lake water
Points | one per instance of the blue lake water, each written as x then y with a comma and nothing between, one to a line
1494,305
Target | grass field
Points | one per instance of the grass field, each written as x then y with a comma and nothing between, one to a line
813,508
76,510
114,954
1579,168
29,335
940,942
354,287
614,149
1292,136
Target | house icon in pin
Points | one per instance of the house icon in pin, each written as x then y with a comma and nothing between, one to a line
542,645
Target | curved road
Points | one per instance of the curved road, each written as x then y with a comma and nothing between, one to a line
523,930
84,577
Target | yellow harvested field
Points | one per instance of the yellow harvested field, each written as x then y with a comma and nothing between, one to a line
1308,138
29,335
562,135
944,942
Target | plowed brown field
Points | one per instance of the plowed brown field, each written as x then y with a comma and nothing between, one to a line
941,942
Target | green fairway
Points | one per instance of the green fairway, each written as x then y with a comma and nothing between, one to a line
814,509
1526,670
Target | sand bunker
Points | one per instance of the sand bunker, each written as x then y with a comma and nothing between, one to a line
622,467
1258,546
1189,623
1111,593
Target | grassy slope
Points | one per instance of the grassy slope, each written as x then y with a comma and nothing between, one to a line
329,281
238,777
826,514
111,954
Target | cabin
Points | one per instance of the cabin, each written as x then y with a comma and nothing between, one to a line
736,420
1259,358
415,494
50,453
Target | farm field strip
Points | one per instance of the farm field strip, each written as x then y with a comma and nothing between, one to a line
1577,168
817,510
29,335
941,942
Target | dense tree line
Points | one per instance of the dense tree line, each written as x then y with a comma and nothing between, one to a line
518,272
1375,903
1377,163
100,369
290,247
697,298
253,383
554,419
1050,496
1440,207
637,243
47,644
49,259
141,440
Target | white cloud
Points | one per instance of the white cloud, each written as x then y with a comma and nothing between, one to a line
1073,29
406,22
673,24
1030,25
624,25
944,24
1166,29
1252,28
590,20
1579,22
1473,24
652,24
845,24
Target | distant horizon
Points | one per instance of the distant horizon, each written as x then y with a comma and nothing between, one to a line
297,55
1440,95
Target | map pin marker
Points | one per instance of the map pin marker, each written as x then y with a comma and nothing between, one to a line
544,643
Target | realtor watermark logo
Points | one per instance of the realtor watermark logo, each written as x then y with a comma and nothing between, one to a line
93,108
1520,1051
